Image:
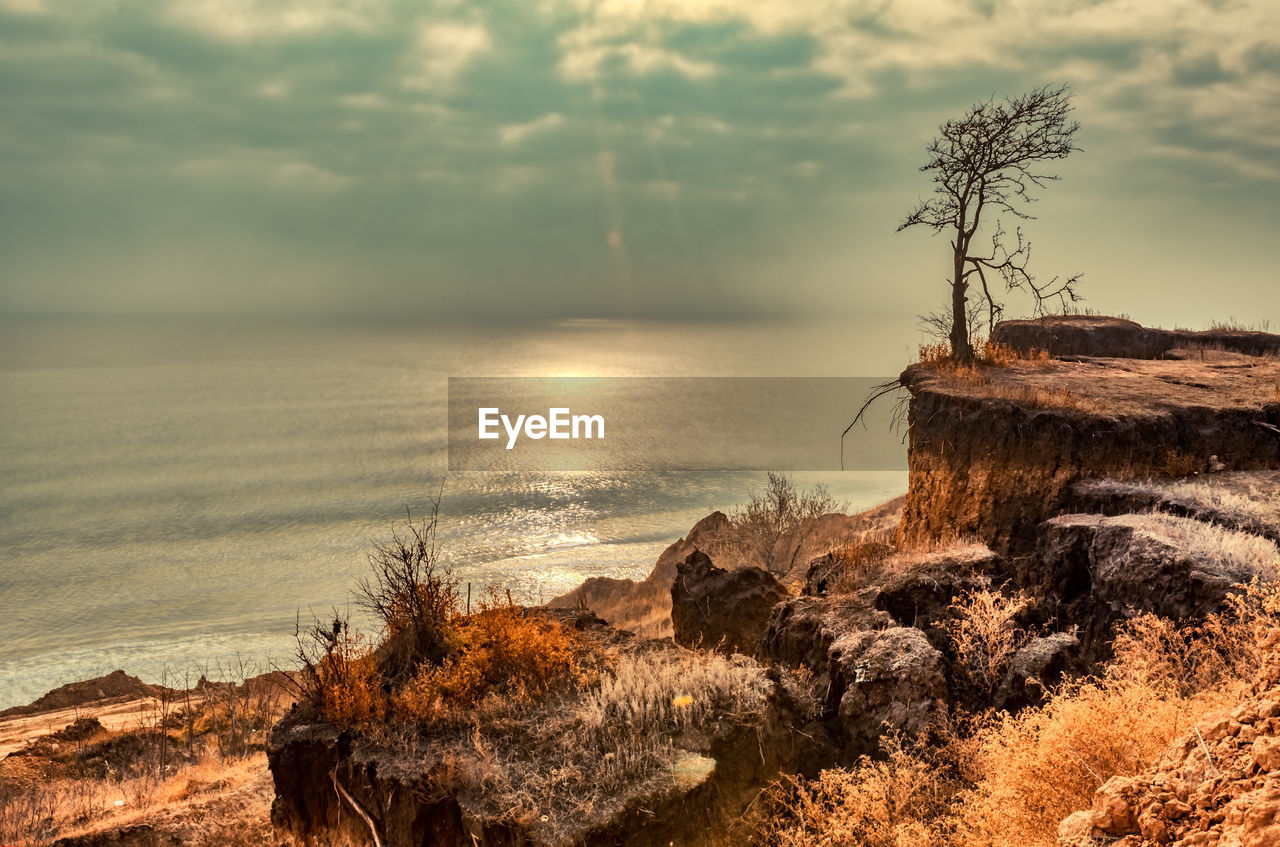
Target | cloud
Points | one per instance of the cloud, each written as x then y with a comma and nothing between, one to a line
516,133
442,51
441,146
242,20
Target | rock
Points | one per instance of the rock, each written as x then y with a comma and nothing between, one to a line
886,680
1076,830
644,607
920,595
875,674
801,630
1217,784
1036,667
1171,566
1061,567
725,610
712,535
1085,335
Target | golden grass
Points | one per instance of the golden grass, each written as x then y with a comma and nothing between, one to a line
985,355
66,807
588,753
1010,779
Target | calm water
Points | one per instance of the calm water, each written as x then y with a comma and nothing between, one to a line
173,495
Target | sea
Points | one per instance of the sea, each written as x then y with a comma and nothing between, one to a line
177,495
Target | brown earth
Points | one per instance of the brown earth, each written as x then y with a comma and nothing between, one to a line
1217,784
993,453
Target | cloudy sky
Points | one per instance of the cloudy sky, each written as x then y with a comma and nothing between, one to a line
691,158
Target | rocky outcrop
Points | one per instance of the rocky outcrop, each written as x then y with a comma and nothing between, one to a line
802,629
1240,500
116,685
876,675
884,680
1097,335
1170,566
996,454
1084,335
644,607
1037,667
1218,784
919,588
719,609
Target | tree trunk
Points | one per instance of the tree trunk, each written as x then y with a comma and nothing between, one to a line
961,348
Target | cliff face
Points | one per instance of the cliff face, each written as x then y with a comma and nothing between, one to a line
993,453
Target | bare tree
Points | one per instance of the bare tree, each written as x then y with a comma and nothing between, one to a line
987,162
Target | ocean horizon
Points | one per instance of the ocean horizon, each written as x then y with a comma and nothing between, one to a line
177,496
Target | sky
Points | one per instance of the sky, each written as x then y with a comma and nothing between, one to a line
700,159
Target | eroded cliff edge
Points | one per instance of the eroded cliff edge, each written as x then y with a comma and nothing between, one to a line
995,451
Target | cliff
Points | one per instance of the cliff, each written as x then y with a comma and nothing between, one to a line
994,451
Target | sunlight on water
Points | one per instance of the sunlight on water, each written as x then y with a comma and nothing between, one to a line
174,496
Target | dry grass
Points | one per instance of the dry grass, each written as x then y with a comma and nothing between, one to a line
589,752
1178,464
985,635
504,657
985,355
214,802
184,746
1234,552
1251,505
874,557
903,800
1010,780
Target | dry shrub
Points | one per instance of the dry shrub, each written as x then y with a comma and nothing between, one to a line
503,652
1180,464
1010,780
413,596
349,686
903,801
1033,769
985,635
859,561
985,354
781,508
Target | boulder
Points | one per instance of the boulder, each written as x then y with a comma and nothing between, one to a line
889,679
920,596
1036,666
727,610
1085,335
801,630
1219,783
876,675
1171,566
